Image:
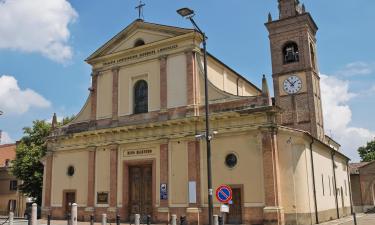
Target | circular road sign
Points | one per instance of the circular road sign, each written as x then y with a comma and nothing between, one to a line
224,194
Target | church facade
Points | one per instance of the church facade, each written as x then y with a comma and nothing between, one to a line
133,148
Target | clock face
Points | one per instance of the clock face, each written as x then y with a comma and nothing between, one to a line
292,84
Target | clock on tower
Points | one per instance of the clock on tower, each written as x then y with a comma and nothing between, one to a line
295,73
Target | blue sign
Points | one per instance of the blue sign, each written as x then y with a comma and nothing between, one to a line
163,192
224,194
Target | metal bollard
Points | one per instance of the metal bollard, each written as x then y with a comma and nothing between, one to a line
34,215
183,220
74,214
216,220
91,219
104,219
68,219
148,219
11,218
49,219
28,219
355,219
221,220
118,220
174,219
137,218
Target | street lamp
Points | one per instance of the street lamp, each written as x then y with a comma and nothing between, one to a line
189,14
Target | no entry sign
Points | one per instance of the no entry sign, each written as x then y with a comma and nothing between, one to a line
224,194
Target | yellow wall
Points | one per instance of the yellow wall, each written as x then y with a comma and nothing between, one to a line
104,95
249,170
60,180
178,173
129,75
176,81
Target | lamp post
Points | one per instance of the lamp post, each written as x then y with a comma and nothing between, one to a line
189,14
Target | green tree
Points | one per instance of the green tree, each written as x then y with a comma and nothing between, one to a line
367,152
30,150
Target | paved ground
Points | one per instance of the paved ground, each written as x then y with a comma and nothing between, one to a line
367,219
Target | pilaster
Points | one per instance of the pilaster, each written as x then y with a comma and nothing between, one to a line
163,83
93,89
164,170
115,79
48,180
91,177
113,175
192,81
194,168
273,212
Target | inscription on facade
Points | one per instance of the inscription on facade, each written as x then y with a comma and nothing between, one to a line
137,152
140,55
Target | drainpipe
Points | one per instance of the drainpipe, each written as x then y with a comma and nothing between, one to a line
350,187
334,178
313,179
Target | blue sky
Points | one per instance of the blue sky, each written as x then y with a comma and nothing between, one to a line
44,43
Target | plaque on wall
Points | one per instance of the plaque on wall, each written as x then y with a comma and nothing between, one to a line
102,198
163,192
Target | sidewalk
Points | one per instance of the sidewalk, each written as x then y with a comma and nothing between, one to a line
343,220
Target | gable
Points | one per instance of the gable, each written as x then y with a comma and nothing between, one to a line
149,32
129,42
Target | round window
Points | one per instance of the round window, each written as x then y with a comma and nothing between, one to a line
231,160
70,171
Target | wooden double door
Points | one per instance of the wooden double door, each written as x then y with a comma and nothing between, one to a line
140,190
235,209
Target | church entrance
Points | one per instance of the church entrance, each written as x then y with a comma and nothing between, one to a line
235,209
140,190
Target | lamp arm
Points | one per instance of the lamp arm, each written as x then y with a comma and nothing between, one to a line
198,29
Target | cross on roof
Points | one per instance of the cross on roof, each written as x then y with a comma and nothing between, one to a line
140,9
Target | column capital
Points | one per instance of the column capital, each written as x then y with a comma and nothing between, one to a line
113,146
91,148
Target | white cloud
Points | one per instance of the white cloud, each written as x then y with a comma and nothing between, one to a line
338,115
37,26
4,138
14,100
357,68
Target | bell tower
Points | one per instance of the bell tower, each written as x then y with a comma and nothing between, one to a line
294,69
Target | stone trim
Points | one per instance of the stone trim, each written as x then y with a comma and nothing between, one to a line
113,176
91,177
115,83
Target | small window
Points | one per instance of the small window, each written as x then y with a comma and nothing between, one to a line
139,42
140,97
329,183
70,171
13,185
290,53
313,57
323,184
231,160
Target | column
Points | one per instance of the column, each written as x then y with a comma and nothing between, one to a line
192,80
273,212
194,181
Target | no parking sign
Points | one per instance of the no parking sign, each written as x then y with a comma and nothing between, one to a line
224,194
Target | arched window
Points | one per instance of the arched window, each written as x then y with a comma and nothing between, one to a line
140,97
290,53
139,42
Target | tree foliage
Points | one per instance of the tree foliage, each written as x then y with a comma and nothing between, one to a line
30,150
367,152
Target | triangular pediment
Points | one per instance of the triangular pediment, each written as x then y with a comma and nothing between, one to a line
148,32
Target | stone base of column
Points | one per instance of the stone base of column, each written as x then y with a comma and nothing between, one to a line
273,215
192,216
45,212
